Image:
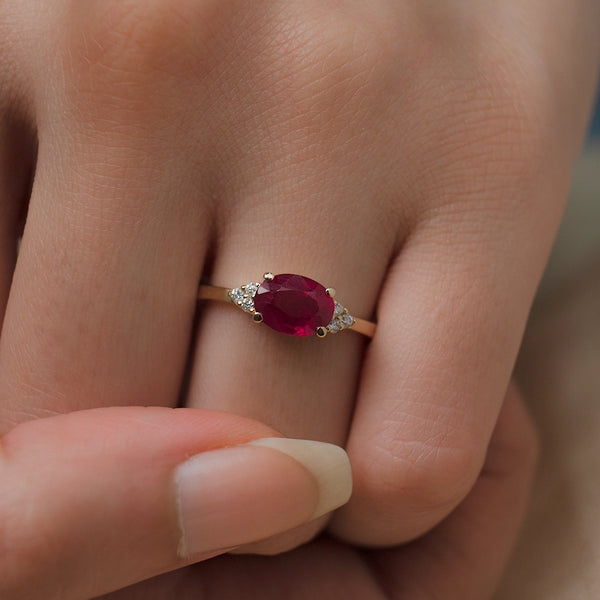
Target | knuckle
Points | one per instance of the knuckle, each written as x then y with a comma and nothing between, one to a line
516,119
133,33
304,63
493,120
521,118
312,68
336,52
439,478
428,477
128,53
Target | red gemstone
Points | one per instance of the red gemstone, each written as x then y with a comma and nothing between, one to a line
294,305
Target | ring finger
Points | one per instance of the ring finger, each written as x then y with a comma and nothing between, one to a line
296,201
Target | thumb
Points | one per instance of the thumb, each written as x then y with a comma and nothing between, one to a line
95,500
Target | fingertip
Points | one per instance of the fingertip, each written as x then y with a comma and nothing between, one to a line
99,499
87,498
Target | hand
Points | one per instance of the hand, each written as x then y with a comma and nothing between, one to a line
98,499
414,160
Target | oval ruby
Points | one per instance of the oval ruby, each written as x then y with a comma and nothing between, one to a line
293,304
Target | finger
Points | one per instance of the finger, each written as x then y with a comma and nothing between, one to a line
103,296
463,558
450,323
455,303
96,500
279,213
296,204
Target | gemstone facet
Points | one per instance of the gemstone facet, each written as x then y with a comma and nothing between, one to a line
293,304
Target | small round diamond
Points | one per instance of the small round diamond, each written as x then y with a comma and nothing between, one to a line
251,289
334,326
236,294
247,304
347,320
338,310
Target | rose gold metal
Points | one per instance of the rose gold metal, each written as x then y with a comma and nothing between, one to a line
362,326
211,292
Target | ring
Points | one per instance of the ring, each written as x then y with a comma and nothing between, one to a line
291,304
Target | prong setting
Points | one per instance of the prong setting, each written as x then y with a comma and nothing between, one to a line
257,317
321,332
330,292
269,276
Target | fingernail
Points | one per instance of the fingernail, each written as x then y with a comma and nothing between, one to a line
242,494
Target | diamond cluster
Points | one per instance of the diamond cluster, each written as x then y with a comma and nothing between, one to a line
244,296
341,319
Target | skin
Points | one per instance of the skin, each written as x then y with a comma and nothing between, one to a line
414,156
